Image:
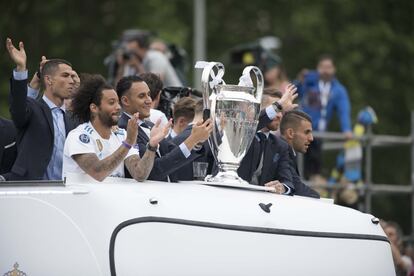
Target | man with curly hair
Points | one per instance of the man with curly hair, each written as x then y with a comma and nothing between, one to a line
95,148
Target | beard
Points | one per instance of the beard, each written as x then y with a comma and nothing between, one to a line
107,119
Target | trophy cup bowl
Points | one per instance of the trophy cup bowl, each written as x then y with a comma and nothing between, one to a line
234,111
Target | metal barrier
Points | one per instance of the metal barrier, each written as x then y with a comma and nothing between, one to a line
335,141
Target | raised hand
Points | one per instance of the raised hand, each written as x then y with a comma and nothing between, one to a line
201,131
288,98
17,55
35,82
132,129
158,132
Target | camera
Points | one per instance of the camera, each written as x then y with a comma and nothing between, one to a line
170,95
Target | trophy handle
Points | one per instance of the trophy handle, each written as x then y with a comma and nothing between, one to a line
259,80
208,85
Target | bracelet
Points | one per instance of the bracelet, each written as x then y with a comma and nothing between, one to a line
278,106
125,144
151,148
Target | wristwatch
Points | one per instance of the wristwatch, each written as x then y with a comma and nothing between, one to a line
277,106
151,148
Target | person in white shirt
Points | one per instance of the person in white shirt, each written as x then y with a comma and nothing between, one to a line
94,148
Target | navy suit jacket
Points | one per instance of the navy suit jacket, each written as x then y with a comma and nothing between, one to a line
205,155
8,149
171,157
35,134
301,188
275,162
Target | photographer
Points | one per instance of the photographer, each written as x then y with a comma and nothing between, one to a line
142,59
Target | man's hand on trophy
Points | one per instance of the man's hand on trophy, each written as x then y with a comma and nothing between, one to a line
288,98
279,187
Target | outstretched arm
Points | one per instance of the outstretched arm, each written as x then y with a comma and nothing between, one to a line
140,168
19,109
100,169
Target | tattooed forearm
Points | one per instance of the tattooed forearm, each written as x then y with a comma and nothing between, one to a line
100,169
140,169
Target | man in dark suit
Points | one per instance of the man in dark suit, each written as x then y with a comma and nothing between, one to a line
296,129
186,172
267,160
42,125
134,96
7,145
273,111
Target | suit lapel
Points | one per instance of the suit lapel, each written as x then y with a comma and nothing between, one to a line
256,154
293,158
48,113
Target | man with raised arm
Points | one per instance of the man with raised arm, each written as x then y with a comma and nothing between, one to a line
94,148
42,125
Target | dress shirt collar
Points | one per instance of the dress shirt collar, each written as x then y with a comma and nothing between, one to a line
52,105
140,122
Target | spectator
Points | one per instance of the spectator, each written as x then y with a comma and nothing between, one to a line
43,124
155,85
267,160
135,96
8,149
321,94
93,148
152,60
275,76
183,115
296,129
403,264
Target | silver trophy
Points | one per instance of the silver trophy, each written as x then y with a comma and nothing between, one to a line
234,110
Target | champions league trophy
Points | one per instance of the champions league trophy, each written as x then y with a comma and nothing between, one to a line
234,111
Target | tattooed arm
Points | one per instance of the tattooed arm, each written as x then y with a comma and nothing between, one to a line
100,169
140,168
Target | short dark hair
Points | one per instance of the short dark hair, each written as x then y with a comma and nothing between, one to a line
143,40
292,119
272,92
324,57
184,107
90,91
50,68
154,83
125,84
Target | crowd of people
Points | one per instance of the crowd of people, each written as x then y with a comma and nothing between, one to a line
63,123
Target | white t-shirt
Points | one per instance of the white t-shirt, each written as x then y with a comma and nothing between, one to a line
85,139
157,63
155,114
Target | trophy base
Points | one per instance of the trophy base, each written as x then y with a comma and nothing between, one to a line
230,179
227,177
